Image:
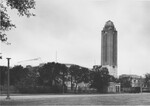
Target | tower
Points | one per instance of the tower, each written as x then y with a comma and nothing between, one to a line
109,48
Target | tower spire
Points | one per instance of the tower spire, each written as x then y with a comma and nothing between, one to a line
109,25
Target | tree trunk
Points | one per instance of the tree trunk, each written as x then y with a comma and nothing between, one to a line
71,83
63,82
75,88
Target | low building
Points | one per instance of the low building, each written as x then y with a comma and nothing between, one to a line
135,82
114,87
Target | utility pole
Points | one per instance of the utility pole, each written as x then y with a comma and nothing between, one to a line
63,81
141,84
8,59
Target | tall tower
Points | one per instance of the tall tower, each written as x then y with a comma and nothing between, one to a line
109,48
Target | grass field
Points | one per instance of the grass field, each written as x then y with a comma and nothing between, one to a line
96,99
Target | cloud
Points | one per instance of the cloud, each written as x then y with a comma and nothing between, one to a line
73,29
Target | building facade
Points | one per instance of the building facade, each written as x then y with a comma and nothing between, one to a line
109,48
114,87
131,83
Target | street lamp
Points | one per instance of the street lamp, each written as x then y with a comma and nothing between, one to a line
8,59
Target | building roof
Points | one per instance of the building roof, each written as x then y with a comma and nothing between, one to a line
109,25
129,75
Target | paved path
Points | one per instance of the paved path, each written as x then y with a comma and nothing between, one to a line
91,99
36,96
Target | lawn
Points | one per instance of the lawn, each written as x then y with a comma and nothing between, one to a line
97,99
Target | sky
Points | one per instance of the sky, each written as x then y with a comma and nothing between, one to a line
69,31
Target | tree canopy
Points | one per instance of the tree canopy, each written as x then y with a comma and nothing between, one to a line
22,6
55,78
3,70
100,79
125,81
78,74
147,80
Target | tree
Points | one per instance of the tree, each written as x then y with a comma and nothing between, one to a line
113,79
96,68
85,75
75,73
125,82
147,80
28,83
53,75
47,74
101,79
16,74
78,75
22,6
63,76
3,71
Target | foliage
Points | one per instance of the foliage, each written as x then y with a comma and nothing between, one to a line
100,79
52,78
78,75
3,71
22,6
53,75
49,78
16,74
147,80
113,79
28,83
96,68
63,76
85,75
48,74
125,82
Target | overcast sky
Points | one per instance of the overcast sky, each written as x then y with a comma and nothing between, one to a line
73,29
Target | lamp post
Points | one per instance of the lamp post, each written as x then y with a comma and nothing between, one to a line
8,59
